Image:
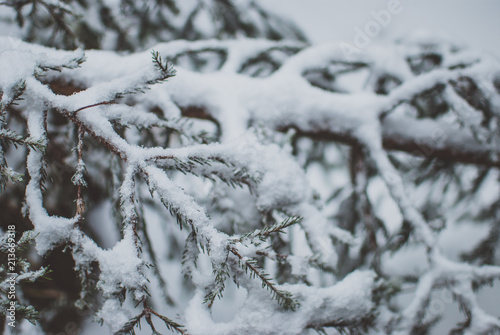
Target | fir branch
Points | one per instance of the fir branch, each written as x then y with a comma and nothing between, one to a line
7,174
182,220
320,330
210,167
170,324
129,327
165,71
72,64
78,178
165,67
190,254
9,137
23,274
284,298
17,92
221,275
278,228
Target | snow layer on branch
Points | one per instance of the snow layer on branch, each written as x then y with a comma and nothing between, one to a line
282,101
113,314
50,230
275,188
19,60
348,301
120,267
281,184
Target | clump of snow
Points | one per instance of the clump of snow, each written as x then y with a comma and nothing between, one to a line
121,267
113,314
349,299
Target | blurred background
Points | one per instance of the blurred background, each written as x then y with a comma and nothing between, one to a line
474,23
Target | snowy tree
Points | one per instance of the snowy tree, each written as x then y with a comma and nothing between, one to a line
224,153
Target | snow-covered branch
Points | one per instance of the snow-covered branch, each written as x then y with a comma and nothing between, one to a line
388,101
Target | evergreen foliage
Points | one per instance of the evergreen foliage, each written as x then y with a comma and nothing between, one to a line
203,152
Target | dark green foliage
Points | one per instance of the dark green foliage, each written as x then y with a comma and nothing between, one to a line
17,270
129,327
209,167
134,25
165,68
265,232
8,137
221,274
190,254
252,268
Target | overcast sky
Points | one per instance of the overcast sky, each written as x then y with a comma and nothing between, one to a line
475,23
